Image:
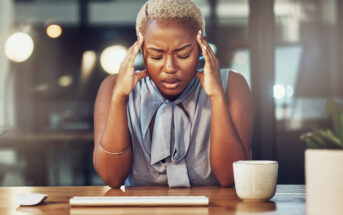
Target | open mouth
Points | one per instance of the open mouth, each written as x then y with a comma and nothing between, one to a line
171,83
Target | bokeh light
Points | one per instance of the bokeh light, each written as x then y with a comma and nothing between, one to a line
241,58
279,91
65,80
88,60
289,91
19,47
111,58
88,63
54,31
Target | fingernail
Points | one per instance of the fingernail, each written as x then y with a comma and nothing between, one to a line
140,35
205,47
199,33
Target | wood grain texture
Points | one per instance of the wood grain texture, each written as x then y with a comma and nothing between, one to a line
289,199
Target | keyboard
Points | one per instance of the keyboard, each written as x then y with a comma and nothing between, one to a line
139,201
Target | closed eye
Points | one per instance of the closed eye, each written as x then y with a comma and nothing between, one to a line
156,58
183,56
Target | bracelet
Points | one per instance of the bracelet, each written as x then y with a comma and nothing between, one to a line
114,153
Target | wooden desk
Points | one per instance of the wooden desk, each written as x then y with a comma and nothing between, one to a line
289,199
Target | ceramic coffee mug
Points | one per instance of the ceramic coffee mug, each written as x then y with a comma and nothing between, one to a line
255,181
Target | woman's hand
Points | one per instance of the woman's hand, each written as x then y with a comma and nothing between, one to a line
210,77
127,77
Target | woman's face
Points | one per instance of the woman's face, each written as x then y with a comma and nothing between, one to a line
171,55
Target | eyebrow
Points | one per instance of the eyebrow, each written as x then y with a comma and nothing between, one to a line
176,50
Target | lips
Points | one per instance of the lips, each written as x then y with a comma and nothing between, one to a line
171,83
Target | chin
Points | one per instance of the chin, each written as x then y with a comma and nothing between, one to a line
171,94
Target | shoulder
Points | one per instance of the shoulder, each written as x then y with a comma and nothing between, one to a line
233,81
236,78
105,90
238,91
236,83
108,82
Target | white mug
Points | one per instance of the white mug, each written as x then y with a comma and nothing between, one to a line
255,181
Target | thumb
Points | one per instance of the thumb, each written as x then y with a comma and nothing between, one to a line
142,74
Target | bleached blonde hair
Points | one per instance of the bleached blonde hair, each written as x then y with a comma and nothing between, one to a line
183,10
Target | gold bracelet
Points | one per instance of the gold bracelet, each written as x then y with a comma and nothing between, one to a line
114,153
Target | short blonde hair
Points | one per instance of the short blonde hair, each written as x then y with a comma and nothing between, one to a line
169,10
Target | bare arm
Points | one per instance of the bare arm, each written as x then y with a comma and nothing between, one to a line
112,157
231,128
231,116
110,128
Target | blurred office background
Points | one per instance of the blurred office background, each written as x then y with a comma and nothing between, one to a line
55,53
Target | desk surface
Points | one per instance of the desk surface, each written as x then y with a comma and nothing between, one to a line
289,199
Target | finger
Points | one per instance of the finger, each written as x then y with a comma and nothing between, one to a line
140,39
133,48
142,74
133,53
208,57
204,41
136,49
209,49
128,54
213,59
130,50
204,50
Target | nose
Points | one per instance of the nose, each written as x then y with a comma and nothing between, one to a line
170,64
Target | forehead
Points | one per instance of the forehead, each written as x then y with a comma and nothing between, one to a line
169,32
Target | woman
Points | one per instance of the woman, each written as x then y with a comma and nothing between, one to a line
170,123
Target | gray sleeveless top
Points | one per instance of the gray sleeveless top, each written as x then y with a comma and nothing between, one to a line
177,153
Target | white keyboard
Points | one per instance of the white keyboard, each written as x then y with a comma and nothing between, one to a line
139,201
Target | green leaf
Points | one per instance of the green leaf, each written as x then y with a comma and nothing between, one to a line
317,137
329,135
328,138
335,111
311,144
